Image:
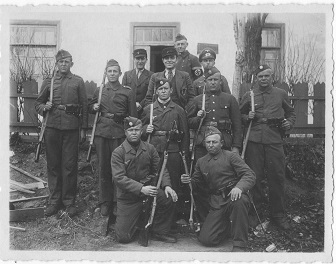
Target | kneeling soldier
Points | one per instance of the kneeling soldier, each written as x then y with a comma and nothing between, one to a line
132,162
227,178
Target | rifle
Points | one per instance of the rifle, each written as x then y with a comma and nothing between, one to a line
45,119
143,236
249,128
151,115
96,118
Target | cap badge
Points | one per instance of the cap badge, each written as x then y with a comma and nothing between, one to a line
207,54
130,123
161,82
261,67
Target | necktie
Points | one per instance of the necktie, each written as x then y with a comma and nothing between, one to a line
170,75
138,75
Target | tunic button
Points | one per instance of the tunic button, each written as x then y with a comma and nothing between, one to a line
213,118
213,110
213,95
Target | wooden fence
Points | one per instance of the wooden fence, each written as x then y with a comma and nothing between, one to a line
30,124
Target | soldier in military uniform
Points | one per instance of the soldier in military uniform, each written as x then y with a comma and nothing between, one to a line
165,112
207,58
117,102
180,81
186,61
228,179
138,78
272,116
133,162
221,111
61,134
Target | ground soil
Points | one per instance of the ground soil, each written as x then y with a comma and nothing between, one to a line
87,231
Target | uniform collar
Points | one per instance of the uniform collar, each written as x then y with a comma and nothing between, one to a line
215,157
60,76
267,90
171,104
115,87
166,72
128,147
184,54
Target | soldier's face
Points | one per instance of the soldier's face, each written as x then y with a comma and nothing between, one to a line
133,134
164,91
181,45
208,63
64,65
169,61
265,78
140,62
213,144
113,73
213,82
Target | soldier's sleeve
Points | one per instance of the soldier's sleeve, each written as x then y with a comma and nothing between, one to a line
185,128
143,101
225,85
150,91
289,110
132,109
190,89
145,121
244,173
196,67
124,79
119,173
43,96
193,119
245,107
93,100
83,101
236,122
197,179
195,87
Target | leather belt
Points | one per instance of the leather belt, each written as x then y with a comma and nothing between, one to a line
262,120
160,133
211,123
61,107
107,115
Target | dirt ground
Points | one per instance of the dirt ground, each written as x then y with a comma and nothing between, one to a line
86,232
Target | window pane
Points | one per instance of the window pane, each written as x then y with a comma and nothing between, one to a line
20,35
38,36
138,35
50,37
156,34
271,37
148,34
167,34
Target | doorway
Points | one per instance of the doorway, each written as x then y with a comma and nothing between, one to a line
156,64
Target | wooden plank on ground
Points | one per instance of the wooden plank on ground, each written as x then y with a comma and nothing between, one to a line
28,199
18,188
34,185
21,185
26,173
22,215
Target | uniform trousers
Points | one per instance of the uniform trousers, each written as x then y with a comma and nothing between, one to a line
128,213
269,158
104,148
232,215
62,157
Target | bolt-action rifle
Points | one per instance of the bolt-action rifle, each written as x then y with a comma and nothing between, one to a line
151,114
45,119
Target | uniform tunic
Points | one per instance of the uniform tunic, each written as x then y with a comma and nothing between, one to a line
265,146
110,131
61,135
213,173
198,85
188,63
129,167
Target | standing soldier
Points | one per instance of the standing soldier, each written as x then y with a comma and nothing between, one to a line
61,134
183,91
117,102
134,163
138,78
165,112
221,111
272,116
207,58
186,61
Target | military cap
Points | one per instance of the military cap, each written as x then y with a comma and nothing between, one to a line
139,53
211,130
180,37
62,54
112,62
159,81
211,72
170,51
262,68
207,53
131,121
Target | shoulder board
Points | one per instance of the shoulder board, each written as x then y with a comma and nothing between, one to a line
77,76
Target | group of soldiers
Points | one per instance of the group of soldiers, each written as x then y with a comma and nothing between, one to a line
189,99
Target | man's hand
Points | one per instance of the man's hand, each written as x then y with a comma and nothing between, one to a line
96,107
47,106
149,190
82,135
200,113
286,125
169,190
235,150
150,129
235,194
185,178
138,106
251,115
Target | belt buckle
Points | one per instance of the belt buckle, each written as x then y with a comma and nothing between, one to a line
213,123
264,120
62,107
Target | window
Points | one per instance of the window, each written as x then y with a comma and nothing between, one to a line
272,48
33,47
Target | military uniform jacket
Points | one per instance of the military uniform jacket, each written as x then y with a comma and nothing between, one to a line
199,83
162,121
188,63
115,100
129,167
220,106
183,86
272,102
139,86
69,89
215,172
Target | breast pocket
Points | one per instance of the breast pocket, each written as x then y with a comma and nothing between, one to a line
72,94
225,110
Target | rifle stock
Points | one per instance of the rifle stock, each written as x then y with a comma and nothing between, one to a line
249,127
88,157
45,119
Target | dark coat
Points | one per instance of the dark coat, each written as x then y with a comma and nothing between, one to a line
188,63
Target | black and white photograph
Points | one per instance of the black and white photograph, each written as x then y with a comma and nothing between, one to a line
167,132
